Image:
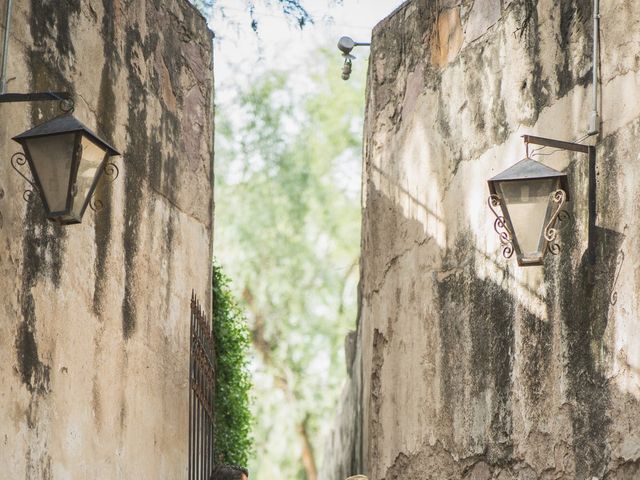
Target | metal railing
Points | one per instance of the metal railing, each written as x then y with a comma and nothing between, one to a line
201,395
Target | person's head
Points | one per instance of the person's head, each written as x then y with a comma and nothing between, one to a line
229,472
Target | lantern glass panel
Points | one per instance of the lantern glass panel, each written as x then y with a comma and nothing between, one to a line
52,156
88,170
528,203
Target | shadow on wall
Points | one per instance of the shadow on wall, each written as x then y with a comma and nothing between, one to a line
512,351
433,226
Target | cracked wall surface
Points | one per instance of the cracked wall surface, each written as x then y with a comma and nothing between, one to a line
94,319
472,367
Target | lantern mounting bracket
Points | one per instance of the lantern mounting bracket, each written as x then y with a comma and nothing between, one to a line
590,150
65,98
549,142
34,97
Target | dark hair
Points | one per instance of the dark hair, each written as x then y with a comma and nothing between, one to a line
228,472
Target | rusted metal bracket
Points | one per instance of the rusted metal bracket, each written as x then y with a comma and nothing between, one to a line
65,98
34,97
549,142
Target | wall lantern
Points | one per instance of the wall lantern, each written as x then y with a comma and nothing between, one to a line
530,197
66,160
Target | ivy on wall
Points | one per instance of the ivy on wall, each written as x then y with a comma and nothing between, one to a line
232,417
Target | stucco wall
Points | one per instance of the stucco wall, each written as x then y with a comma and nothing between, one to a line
472,366
94,318
342,451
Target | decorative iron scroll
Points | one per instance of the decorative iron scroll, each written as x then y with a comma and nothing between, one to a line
111,172
96,204
65,104
18,160
619,261
550,232
201,395
501,228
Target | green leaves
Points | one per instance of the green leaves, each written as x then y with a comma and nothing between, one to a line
288,232
233,420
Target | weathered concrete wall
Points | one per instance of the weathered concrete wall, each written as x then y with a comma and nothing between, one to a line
94,320
342,454
473,367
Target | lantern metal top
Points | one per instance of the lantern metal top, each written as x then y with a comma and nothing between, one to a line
64,124
528,169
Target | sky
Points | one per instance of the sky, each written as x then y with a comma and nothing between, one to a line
280,43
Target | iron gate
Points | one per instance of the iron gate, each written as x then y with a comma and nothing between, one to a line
201,393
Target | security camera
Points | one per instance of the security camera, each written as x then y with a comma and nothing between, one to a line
345,45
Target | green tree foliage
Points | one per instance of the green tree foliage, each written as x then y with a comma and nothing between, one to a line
287,230
233,420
